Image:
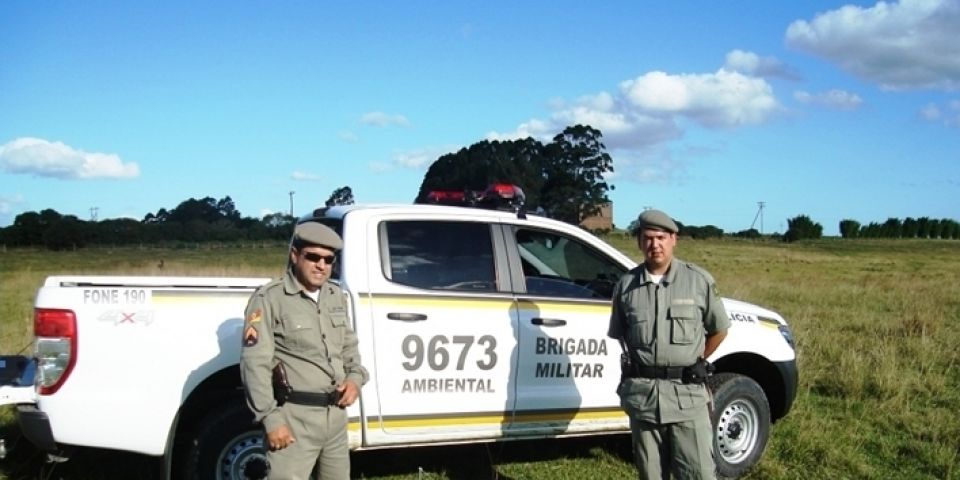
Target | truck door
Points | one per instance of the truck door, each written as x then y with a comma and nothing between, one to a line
568,369
444,332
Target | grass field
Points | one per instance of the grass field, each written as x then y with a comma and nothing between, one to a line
877,324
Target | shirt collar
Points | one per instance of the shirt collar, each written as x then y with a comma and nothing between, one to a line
667,277
292,286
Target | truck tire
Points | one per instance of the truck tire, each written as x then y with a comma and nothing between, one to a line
741,423
228,446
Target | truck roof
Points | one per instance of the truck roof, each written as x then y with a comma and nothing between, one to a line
339,211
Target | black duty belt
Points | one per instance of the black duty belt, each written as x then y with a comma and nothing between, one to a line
313,399
659,372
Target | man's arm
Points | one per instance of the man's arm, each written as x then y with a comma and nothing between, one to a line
356,375
712,342
256,362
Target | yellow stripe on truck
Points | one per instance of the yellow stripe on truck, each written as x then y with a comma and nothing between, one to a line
462,302
421,421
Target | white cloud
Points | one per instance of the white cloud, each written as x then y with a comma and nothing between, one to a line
43,158
348,136
947,114
421,158
380,167
910,44
9,203
837,99
930,112
721,99
380,119
414,159
305,177
647,110
750,63
652,166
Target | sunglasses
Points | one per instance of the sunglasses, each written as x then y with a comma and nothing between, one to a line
316,258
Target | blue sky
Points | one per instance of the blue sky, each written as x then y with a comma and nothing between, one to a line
830,109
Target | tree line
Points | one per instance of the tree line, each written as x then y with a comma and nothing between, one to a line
923,227
192,221
562,179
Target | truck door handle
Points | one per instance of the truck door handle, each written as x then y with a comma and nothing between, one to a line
548,322
407,317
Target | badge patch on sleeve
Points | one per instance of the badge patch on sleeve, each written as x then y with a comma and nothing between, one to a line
250,336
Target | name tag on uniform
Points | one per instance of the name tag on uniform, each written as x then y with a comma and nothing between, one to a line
684,301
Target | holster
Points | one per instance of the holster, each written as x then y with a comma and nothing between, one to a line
626,366
698,372
281,386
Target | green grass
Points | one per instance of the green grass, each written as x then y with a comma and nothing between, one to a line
877,324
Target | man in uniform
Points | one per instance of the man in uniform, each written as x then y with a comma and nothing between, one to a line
669,318
300,322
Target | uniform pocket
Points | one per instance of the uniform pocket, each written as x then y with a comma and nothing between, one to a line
298,332
338,319
690,396
638,396
639,327
684,324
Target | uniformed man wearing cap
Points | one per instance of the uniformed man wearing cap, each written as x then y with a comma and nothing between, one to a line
300,322
669,318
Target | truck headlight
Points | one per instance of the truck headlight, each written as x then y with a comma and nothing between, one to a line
788,336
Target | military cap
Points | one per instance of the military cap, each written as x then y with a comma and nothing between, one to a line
315,233
656,220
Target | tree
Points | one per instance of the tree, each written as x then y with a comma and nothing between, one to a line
909,228
936,228
849,228
801,227
65,233
27,229
923,227
519,162
692,231
341,196
228,210
564,177
892,228
576,161
951,229
751,233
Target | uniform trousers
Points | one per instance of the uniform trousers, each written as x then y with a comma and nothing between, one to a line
684,449
321,449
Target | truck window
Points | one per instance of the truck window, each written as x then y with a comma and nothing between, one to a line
560,266
440,255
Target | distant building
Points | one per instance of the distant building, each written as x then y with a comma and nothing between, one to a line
603,220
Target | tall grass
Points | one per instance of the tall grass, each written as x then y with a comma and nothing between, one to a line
877,324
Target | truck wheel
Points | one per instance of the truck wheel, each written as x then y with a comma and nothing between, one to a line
741,423
228,446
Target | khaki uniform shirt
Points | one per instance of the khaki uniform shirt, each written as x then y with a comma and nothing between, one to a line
665,324
312,339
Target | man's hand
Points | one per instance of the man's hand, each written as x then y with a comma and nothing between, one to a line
349,392
280,438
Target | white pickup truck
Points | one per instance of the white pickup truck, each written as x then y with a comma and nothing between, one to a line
475,325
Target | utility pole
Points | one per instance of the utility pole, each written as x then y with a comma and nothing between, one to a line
759,215
291,202
93,213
